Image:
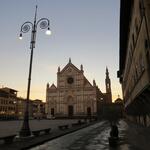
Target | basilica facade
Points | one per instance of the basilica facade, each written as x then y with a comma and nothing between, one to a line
74,96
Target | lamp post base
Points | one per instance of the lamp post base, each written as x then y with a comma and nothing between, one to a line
25,130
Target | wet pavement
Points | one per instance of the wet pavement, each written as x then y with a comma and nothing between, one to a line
95,137
72,141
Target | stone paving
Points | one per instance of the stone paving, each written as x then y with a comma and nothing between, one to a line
13,127
95,137
24,143
79,140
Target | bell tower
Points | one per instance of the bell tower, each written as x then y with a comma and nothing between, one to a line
108,87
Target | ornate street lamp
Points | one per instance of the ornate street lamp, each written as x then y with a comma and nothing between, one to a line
43,24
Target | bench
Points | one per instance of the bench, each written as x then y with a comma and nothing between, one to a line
79,123
47,131
62,127
75,124
8,139
37,132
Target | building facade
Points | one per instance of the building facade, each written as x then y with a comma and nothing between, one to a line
8,104
134,70
74,96
21,106
38,109
13,107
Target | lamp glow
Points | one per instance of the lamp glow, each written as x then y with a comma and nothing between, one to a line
48,32
20,36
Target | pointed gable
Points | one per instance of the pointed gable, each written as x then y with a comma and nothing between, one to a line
53,87
70,67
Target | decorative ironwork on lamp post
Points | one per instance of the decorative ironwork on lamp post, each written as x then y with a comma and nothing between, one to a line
43,24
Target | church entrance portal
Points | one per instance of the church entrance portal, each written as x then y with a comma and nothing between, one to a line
89,111
52,111
70,111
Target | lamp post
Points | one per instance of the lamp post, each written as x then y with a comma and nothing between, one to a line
43,23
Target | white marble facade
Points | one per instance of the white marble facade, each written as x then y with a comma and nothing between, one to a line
74,95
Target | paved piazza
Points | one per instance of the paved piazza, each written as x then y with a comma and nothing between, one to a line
13,127
94,137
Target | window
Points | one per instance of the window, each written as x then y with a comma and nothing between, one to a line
136,26
146,44
133,39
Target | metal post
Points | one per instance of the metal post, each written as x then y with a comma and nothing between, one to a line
44,23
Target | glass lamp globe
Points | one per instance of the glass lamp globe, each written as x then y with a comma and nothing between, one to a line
20,36
48,32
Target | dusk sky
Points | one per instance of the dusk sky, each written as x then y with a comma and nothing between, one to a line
87,31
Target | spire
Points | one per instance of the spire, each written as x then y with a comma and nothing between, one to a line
59,69
69,60
94,83
47,85
81,67
107,73
108,87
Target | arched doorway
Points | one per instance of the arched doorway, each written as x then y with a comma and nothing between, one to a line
89,111
52,111
70,102
70,111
